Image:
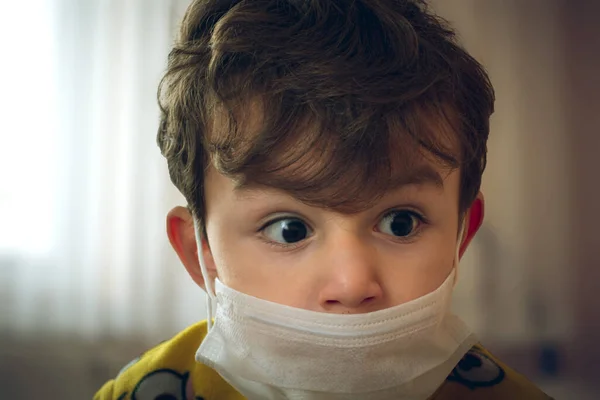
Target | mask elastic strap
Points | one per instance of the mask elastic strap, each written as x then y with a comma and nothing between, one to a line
208,283
461,235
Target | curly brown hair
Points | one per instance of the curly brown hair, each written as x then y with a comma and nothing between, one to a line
329,100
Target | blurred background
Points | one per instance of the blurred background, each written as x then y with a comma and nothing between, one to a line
88,279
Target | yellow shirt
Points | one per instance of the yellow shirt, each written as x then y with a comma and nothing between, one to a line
169,371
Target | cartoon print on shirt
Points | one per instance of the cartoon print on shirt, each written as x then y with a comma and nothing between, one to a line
477,370
162,384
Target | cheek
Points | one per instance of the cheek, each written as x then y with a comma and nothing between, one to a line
250,267
240,263
418,270
230,258
440,261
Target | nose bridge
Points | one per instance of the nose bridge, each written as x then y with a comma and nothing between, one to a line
352,280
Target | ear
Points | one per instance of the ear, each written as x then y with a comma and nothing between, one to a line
473,221
180,230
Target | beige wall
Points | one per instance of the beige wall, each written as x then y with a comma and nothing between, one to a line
582,110
519,264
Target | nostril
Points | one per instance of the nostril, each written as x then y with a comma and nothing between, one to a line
369,300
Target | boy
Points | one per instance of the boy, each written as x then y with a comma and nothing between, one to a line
331,154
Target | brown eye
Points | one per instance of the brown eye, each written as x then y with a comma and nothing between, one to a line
287,231
399,223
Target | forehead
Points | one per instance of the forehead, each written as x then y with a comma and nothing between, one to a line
428,182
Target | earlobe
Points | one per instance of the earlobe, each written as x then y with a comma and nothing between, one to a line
473,221
180,230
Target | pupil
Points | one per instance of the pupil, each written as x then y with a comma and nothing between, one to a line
293,231
402,225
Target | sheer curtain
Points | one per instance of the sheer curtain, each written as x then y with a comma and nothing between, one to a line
84,188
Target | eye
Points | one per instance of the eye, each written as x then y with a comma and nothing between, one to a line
287,231
400,223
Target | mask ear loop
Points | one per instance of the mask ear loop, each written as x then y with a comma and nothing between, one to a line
210,291
461,236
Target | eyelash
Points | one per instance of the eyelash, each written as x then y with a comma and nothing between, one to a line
422,220
280,246
418,230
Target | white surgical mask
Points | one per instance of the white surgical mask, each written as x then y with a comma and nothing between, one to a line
268,350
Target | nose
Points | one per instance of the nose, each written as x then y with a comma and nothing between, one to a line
351,283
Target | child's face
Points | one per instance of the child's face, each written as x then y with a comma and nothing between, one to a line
267,244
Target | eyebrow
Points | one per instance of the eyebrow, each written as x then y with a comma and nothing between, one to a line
420,176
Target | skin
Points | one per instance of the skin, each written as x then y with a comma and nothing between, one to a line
347,264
